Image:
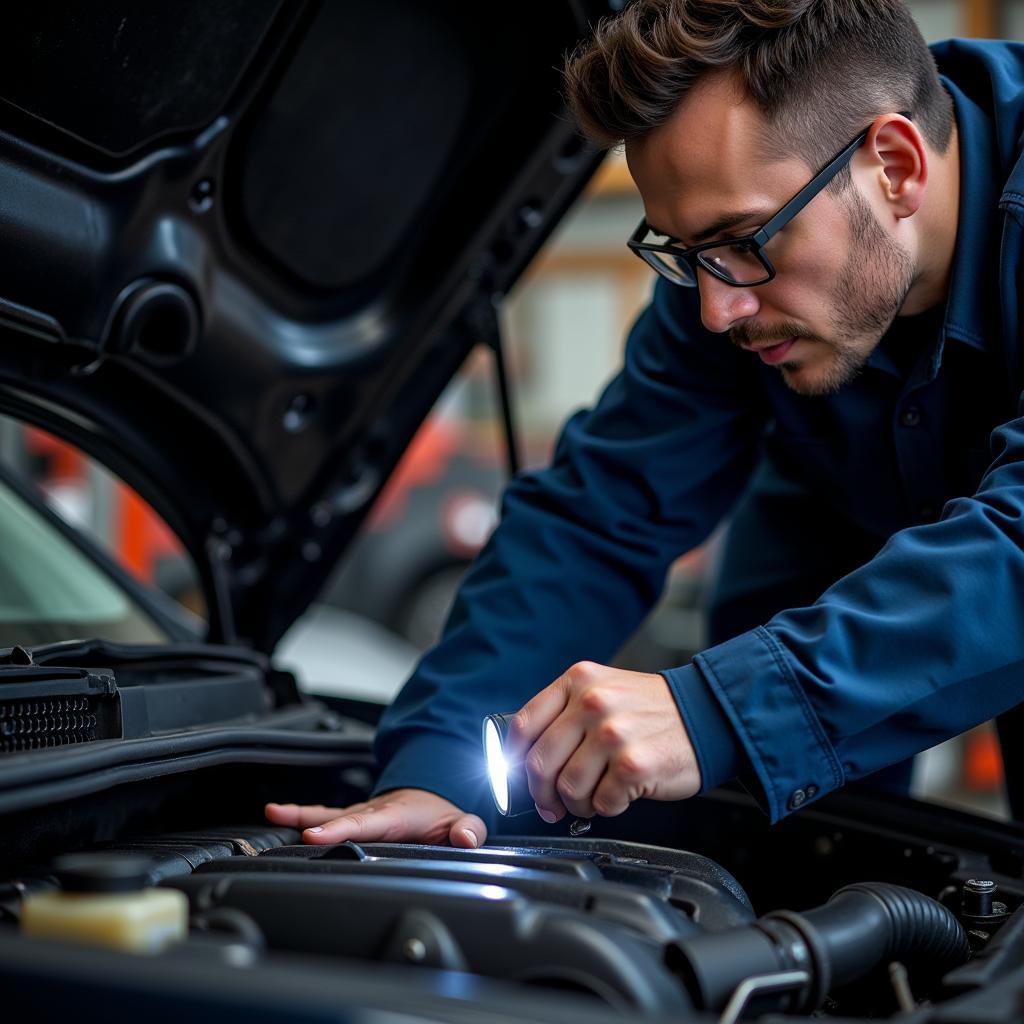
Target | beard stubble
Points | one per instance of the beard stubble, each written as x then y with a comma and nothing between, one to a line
872,286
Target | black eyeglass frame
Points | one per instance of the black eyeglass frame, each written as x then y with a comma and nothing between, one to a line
757,240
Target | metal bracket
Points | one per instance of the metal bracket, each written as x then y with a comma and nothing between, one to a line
760,984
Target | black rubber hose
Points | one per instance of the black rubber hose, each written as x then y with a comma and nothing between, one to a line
872,923
862,926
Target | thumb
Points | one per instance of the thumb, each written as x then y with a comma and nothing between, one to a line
469,832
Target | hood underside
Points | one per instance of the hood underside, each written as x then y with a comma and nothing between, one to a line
247,243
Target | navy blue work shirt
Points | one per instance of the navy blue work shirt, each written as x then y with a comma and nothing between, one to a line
922,642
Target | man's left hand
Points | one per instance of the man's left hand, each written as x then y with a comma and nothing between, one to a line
599,738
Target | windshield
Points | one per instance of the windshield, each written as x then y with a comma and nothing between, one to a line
51,591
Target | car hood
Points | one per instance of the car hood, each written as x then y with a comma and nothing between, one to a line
246,250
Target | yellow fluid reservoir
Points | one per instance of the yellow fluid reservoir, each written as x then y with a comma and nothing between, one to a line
105,900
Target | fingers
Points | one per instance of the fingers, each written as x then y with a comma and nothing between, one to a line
537,715
580,777
622,783
556,722
397,816
602,738
366,823
545,762
468,832
303,816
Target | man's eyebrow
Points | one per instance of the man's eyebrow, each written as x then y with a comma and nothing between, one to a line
722,224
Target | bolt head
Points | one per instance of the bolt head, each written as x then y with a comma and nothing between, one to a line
200,199
414,950
980,885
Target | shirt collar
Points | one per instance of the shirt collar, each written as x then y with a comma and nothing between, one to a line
971,314
972,309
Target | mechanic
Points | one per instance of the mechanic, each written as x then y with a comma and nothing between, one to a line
842,385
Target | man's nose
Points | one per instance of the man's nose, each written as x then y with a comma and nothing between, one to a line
723,305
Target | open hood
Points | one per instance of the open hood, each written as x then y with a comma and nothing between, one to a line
246,244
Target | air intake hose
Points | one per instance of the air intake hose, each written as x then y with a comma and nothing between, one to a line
859,928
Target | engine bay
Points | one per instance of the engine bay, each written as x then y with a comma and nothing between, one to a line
863,907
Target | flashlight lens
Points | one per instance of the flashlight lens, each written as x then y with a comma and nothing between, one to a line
497,769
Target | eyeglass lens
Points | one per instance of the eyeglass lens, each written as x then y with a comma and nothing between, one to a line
675,268
736,263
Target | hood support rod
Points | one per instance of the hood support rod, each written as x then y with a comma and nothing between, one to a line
490,335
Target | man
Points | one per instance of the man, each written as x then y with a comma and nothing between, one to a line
831,359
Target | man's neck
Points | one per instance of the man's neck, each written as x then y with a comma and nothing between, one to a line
937,238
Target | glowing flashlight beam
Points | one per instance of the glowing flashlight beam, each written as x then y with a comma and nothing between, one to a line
497,767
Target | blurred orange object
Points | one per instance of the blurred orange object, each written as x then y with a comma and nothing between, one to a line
63,461
142,538
139,537
983,762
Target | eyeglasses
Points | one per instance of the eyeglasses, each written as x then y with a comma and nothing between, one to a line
740,262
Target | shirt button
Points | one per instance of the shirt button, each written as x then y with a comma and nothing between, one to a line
797,798
911,416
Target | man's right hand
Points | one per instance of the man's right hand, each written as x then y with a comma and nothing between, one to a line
399,816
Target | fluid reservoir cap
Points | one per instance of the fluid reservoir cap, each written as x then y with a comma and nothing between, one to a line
103,872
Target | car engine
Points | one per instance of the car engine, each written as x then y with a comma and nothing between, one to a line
864,906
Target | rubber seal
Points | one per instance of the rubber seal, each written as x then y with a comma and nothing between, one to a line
821,971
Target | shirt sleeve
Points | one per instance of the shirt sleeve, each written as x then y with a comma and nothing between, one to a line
583,547
919,644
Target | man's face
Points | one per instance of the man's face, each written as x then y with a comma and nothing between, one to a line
841,279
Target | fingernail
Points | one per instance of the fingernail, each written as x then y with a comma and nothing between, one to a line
316,828
549,816
472,836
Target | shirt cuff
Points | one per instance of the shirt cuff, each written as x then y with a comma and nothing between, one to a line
792,758
714,742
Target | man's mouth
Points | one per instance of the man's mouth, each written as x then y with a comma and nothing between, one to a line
774,353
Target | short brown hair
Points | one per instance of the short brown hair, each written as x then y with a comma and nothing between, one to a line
819,70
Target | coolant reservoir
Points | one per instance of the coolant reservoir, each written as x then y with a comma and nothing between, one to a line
106,901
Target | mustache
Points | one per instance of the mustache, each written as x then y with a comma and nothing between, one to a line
752,334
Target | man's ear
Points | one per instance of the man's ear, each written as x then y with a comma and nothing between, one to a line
899,161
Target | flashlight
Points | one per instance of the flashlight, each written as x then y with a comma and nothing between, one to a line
508,780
